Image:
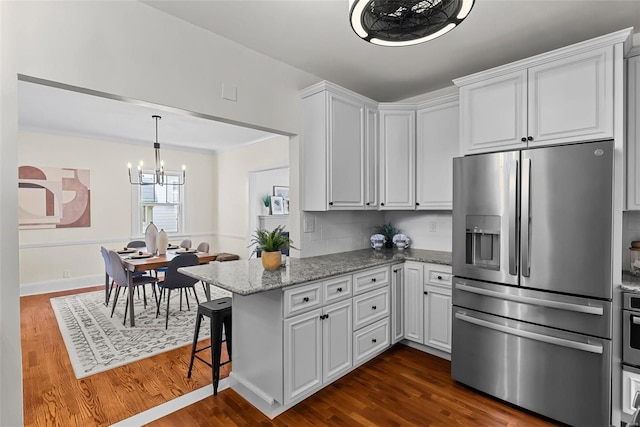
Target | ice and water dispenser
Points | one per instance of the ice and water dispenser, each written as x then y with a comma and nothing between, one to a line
483,241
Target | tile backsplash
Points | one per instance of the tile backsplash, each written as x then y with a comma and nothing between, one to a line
342,231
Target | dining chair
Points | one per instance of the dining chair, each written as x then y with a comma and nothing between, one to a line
136,244
186,243
121,281
108,273
175,280
203,247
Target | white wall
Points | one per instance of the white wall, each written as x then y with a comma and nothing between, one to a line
418,225
129,49
233,166
46,253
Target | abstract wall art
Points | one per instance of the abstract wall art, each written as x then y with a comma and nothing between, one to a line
53,197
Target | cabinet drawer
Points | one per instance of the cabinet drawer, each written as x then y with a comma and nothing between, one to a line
370,279
370,307
369,341
302,299
440,275
337,289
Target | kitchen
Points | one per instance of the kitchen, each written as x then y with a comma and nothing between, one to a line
253,118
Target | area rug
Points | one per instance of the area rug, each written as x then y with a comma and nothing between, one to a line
96,342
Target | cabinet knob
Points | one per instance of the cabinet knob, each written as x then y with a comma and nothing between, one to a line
373,307
395,270
330,203
368,204
381,203
339,289
305,299
417,204
439,277
426,293
374,340
373,280
530,138
523,139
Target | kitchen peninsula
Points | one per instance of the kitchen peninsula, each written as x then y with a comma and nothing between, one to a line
301,327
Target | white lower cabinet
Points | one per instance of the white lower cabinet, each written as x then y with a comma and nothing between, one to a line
370,341
318,348
427,309
397,303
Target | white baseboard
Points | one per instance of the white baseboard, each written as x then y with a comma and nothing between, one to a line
35,288
433,351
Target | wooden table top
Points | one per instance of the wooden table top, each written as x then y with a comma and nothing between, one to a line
159,261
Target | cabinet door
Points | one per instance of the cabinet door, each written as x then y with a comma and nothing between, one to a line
397,159
371,159
437,317
493,113
437,143
346,153
571,99
397,303
302,355
633,134
337,341
413,302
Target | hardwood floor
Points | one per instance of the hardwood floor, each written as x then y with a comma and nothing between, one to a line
402,387
54,397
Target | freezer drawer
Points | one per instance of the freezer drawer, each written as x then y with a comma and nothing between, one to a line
582,315
561,375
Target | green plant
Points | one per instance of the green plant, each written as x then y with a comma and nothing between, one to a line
388,231
266,200
270,241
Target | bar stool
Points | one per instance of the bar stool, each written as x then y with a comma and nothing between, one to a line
219,313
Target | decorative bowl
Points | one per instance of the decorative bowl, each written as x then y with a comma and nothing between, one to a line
377,241
401,241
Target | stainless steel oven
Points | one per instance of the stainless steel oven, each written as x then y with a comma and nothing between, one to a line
631,329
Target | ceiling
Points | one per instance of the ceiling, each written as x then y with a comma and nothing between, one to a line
315,36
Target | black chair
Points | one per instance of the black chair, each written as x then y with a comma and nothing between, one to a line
175,280
120,279
108,274
137,244
219,313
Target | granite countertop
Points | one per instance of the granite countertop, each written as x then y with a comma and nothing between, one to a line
247,277
630,282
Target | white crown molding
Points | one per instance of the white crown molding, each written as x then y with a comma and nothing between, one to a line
622,36
334,88
397,106
442,100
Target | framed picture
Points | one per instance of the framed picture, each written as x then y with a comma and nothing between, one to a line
281,191
286,206
277,205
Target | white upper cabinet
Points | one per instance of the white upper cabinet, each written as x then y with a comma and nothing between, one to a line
633,133
397,156
559,97
371,158
437,143
339,137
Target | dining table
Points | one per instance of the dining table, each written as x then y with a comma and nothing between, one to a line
138,261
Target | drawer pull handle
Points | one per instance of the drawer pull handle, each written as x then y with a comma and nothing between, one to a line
373,307
374,340
339,289
373,280
305,299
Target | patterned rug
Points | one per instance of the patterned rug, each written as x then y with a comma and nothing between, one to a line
96,342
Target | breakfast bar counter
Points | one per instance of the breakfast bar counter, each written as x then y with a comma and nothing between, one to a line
310,322
247,277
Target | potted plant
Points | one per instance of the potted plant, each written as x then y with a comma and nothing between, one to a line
270,242
388,231
266,203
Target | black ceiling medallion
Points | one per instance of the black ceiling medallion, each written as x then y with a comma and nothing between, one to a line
405,22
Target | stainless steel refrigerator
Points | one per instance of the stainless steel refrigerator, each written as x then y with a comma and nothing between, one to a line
532,291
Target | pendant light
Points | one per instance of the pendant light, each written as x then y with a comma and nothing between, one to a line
405,22
159,177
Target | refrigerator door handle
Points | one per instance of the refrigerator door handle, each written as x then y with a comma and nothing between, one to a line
560,305
592,348
635,320
525,222
513,218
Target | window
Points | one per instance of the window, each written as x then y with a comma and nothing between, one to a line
162,204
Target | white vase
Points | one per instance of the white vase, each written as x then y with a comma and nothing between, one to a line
163,242
151,238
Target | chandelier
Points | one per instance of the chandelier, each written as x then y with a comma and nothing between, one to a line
159,177
405,22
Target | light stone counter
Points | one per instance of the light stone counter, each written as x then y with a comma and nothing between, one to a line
246,277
